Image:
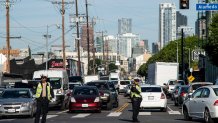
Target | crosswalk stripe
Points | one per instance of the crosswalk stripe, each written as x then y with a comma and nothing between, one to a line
49,116
144,113
80,115
114,114
174,112
4,120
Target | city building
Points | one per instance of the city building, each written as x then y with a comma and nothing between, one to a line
111,42
124,25
126,42
137,51
155,48
83,42
167,23
99,44
146,46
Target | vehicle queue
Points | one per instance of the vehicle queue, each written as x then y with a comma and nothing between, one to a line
198,100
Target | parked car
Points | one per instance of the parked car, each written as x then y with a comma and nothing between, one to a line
85,98
194,86
107,97
122,84
153,97
203,103
17,101
181,95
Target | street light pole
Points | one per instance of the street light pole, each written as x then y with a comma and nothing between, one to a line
182,53
47,48
63,35
8,35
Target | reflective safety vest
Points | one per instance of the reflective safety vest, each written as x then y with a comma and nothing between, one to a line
134,94
39,91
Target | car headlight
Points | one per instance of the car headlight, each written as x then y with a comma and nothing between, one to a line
106,95
25,104
0,105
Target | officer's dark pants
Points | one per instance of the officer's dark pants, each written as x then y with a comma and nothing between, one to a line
42,108
135,108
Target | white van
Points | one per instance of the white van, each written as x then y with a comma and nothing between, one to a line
114,76
60,83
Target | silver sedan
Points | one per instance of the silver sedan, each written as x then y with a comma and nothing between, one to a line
17,101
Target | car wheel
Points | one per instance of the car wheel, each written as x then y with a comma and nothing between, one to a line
109,106
207,117
163,109
186,115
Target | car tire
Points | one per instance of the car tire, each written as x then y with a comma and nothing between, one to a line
163,109
186,115
109,106
207,117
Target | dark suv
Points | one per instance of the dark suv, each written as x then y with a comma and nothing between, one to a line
108,97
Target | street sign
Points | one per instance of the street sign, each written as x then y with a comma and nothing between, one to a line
196,53
207,7
191,78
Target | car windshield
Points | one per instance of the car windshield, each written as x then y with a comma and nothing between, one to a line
55,83
196,86
184,89
151,89
124,82
85,91
71,86
115,82
99,85
75,79
216,91
172,83
176,82
15,94
113,78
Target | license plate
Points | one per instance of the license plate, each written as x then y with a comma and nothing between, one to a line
150,97
85,105
11,110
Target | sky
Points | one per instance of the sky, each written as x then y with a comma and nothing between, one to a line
29,19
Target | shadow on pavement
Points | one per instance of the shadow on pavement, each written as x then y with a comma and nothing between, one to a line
125,120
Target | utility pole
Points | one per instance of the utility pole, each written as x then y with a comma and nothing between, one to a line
93,50
78,41
87,26
182,54
63,34
8,35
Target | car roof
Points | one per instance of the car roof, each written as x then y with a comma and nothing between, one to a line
147,85
195,83
85,87
96,81
210,86
17,89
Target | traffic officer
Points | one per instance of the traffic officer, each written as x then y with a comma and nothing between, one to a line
44,94
136,99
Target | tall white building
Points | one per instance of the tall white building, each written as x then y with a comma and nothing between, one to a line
167,24
126,42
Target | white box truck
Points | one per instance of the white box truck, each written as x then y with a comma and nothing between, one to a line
161,72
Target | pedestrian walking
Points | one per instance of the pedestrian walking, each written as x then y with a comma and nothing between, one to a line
44,94
136,99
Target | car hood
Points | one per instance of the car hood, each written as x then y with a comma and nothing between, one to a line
15,100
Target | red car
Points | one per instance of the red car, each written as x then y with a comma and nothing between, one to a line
85,98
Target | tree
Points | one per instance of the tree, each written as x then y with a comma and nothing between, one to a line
169,54
211,47
98,62
112,67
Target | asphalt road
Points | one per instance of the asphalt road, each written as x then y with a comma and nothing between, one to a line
122,114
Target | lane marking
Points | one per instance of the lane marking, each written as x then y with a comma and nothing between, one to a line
3,120
144,113
80,115
174,112
122,107
114,114
62,112
169,108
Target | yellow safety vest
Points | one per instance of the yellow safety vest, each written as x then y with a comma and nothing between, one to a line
39,91
134,94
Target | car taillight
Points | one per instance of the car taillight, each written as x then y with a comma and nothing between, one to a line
182,94
162,96
216,103
97,99
72,99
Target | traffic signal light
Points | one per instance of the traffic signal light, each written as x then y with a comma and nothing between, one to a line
184,4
